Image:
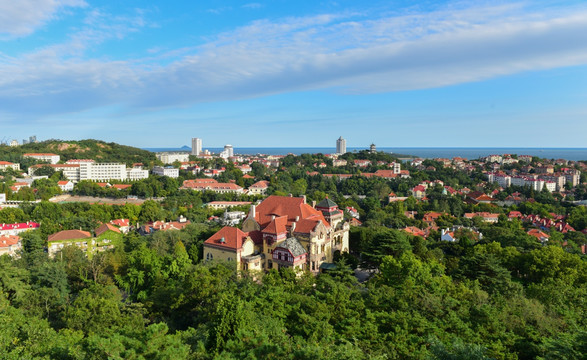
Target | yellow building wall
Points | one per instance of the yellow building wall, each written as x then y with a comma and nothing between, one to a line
221,255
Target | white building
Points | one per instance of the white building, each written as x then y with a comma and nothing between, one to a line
227,152
341,146
166,171
171,157
8,165
50,158
397,167
14,143
137,173
65,185
103,172
70,171
196,146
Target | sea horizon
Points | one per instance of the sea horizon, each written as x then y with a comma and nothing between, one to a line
575,154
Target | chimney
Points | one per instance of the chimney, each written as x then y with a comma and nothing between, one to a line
290,195
293,228
304,197
252,211
272,217
297,218
313,203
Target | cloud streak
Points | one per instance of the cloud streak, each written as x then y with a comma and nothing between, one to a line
23,17
347,53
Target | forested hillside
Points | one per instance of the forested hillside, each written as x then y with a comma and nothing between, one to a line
83,149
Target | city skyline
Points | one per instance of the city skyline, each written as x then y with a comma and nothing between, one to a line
293,74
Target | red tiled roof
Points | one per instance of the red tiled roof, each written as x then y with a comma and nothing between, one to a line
8,240
228,237
120,222
121,186
39,154
305,226
105,227
55,166
538,234
291,207
260,184
276,226
20,226
69,235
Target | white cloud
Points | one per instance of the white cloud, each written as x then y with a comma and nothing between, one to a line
23,17
252,6
341,52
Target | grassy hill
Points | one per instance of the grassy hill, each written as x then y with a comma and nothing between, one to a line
84,149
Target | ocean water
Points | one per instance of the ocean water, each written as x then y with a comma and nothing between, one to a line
422,152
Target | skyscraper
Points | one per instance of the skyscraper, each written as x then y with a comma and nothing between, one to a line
229,150
196,146
340,146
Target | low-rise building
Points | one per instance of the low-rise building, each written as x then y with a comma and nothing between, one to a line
4,165
65,185
212,185
10,245
171,157
106,237
46,157
226,204
168,171
259,188
17,228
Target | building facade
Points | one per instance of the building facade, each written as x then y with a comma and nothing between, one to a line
171,157
340,146
284,232
196,146
50,158
166,171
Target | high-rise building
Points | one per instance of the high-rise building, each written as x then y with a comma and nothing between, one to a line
340,146
196,146
229,150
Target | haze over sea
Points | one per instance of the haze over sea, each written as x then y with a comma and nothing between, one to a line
422,152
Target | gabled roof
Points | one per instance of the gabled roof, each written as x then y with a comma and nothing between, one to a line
276,226
8,240
260,184
292,207
228,237
293,246
120,222
306,226
106,227
69,235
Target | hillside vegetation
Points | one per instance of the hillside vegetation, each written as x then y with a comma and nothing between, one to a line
84,149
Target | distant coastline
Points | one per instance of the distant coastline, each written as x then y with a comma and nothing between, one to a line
422,152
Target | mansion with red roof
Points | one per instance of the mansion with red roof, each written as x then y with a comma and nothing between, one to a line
283,232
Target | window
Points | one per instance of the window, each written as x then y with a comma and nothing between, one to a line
209,256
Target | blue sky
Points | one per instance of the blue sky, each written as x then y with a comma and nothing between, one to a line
295,73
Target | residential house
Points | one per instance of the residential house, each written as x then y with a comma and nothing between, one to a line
10,245
259,188
320,230
65,185
4,165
